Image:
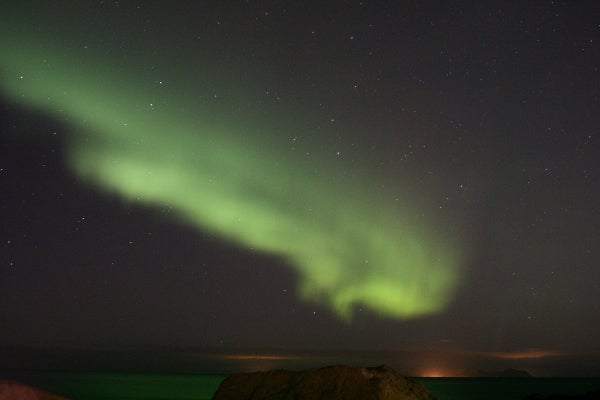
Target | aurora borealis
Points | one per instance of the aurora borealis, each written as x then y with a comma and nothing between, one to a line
333,176
351,246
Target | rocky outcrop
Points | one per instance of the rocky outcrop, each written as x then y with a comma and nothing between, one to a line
329,383
17,391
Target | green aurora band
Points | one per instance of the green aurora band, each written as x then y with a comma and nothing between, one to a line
351,243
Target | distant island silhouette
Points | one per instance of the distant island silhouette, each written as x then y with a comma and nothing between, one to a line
506,373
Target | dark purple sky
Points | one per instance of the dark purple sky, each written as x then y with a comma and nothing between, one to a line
487,114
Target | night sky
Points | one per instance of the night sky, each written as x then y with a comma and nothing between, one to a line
419,177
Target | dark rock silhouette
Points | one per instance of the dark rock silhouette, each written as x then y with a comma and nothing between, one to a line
328,383
17,391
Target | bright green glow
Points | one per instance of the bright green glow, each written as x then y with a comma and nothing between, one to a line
351,244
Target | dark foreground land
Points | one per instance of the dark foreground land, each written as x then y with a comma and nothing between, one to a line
328,383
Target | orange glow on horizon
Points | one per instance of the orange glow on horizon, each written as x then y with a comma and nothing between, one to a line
526,354
255,357
458,353
438,373
432,373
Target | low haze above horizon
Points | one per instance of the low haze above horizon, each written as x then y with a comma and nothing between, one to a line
418,181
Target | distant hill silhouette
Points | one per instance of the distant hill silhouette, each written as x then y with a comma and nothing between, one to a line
507,373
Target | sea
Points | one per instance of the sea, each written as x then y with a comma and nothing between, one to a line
126,386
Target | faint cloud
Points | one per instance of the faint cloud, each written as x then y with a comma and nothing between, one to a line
525,354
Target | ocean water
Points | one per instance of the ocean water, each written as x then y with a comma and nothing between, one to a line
123,386
505,388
